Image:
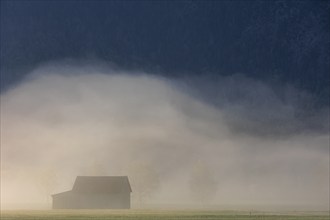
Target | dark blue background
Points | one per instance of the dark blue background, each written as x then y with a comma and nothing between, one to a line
281,41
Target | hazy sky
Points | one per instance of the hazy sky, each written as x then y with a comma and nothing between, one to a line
99,87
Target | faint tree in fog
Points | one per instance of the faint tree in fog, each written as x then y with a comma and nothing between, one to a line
144,181
47,182
203,185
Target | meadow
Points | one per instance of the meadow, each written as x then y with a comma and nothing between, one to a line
157,215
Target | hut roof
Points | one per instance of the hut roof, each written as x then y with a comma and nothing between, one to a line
101,184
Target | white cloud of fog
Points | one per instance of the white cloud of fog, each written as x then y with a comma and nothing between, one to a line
63,119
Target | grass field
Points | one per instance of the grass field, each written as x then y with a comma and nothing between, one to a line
157,215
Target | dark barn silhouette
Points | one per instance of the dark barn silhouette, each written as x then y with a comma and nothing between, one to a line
95,192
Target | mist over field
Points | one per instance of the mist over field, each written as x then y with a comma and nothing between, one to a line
204,140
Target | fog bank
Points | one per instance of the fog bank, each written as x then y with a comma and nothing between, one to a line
234,139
